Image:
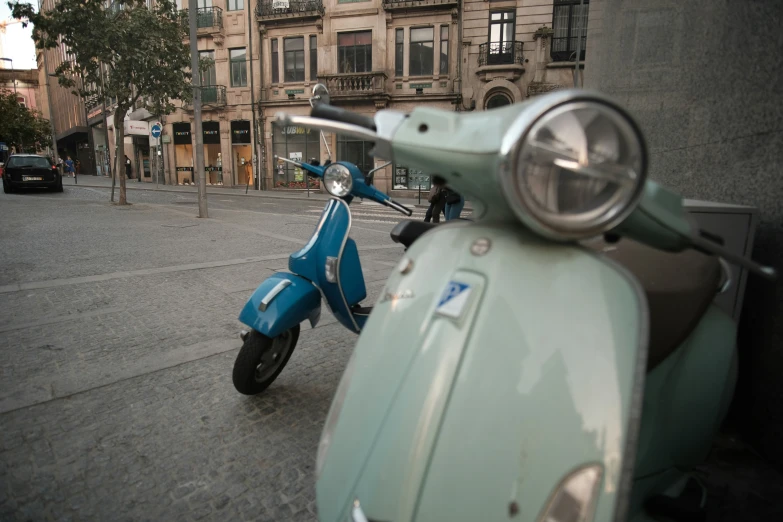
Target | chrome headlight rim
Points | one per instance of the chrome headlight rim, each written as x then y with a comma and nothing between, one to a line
523,206
337,172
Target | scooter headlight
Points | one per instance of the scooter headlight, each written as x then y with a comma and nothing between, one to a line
578,171
574,498
338,180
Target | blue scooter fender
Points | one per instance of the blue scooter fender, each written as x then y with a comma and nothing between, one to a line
281,302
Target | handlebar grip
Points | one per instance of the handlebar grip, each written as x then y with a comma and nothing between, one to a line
330,112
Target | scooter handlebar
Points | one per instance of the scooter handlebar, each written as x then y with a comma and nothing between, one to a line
330,112
399,207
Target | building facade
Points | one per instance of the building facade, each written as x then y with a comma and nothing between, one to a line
25,83
67,110
266,56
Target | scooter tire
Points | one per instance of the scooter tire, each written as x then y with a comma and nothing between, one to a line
249,376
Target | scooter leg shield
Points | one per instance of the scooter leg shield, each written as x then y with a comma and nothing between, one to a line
281,302
485,384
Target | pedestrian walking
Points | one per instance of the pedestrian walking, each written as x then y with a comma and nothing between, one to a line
455,202
128,167
437,200
69,167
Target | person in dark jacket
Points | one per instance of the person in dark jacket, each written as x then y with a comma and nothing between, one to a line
455,202
437,200
128,167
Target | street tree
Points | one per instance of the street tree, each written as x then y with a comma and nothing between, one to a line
127,51
19,125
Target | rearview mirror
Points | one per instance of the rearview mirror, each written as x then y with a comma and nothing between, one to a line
320,95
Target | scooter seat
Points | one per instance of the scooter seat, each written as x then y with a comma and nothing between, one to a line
679,289
408,231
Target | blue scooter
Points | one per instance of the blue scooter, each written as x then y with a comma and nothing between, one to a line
326,267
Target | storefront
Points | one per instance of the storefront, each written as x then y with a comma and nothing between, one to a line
183,153
213,158
298,144
242,152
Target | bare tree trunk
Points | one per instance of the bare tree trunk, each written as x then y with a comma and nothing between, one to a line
119,132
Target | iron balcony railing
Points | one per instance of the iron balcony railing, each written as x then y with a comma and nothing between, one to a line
206,17
270,9
211,96
500,53
391,5
354,83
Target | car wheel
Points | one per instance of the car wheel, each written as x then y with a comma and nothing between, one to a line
7,188
59,187
261,360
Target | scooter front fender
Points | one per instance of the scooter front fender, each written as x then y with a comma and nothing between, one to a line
483,378
281,302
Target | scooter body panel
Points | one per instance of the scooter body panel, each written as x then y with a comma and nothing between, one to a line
330,241
686,398
296,299
490,365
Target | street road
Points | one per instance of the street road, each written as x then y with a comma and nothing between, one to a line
118,333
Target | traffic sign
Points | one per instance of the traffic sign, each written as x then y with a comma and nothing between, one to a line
156,130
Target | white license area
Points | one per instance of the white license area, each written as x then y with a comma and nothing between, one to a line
32,178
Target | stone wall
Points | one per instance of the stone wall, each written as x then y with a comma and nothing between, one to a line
705,80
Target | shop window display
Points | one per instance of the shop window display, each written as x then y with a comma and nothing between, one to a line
183,153
213,158
298,144
242,152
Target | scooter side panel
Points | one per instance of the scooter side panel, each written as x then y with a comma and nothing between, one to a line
298,301
349,287
536,375
683,404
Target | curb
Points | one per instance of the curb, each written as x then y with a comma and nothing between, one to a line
230,191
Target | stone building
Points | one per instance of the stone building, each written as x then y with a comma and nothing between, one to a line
25,83
371,54
67,110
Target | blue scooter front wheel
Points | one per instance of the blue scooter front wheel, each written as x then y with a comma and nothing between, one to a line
261,360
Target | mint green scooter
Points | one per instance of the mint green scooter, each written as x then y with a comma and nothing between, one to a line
557,360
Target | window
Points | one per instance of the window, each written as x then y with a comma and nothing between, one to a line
399,42
313,58
275,63
356,152
501,37
208,75
293,59
238,67
444,49
421,55
354,52
235,5
569,22
497,100
296,143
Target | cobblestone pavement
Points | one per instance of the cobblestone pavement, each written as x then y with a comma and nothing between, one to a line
118,333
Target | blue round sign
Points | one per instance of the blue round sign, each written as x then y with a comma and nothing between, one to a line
155,131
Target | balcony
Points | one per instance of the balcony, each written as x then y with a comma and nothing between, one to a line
500,60
208,18
212,97
270,11
355,85
396,5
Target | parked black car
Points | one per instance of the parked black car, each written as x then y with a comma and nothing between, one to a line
31,170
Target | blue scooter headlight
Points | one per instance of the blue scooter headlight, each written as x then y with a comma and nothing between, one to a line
576,171
338,180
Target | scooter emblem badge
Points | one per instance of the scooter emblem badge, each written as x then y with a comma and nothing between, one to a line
453,300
